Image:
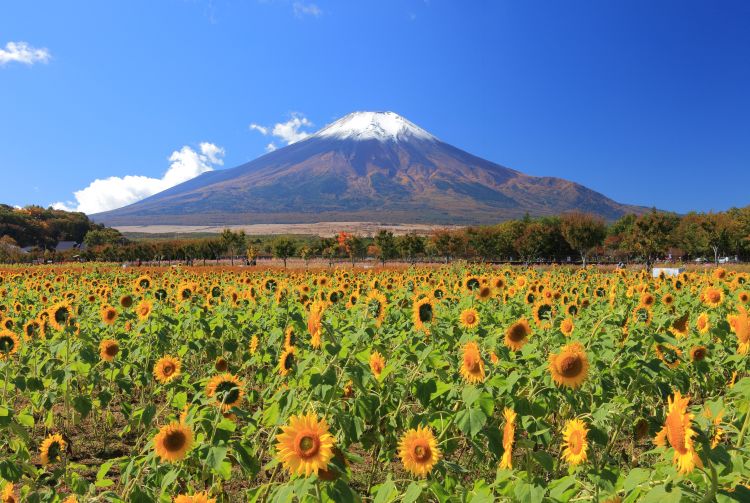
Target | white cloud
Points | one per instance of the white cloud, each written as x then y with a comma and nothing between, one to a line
262,130
115,192
288,132
302,9
21,52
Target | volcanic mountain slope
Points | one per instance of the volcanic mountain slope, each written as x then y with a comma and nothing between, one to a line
366,166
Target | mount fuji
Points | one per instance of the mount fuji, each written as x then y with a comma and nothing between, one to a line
369,167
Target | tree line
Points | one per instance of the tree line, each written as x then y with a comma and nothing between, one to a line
572,237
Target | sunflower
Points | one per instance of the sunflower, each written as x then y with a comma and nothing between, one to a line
376,305
517,334
679,432
575,444
567,326
201,497
647,300
173,441
108,349
668,354
469,318
419,451
8,494
484,292
126,301
59,315
109,314
509,431
287,360
698,353
702,323
221,364
254,344
570,366
144,309
290,337
744,297
377,363
681,326
305,446
9,344
543,312
167,368
712,296
226,389
740,325
472,368
52,449
423,311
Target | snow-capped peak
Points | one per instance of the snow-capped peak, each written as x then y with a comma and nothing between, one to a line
383,126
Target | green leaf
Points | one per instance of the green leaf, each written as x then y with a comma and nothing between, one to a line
471,421
412,493
215,457
386,492
636,477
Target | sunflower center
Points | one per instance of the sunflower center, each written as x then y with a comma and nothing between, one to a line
471,363
175,441
422,453
470,318
517,333
570,365
425,313
714,296
307,445
168,369
228,392
575,442
7,344
112,350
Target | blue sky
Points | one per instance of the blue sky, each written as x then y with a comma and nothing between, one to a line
645,101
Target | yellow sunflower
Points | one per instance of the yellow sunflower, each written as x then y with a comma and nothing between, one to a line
681,326
509,431
679,433
52,449
703,323
469,318
8,494
173,441
144,309
517,334
575,444
226,389
419,451
423,312
287,360
9,344
472,368
570,366
305,446
167,368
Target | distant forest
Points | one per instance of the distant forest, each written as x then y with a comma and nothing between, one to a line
33,233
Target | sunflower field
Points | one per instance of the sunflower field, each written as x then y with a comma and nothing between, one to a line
464,383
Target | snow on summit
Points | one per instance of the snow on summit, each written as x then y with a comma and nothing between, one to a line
382,126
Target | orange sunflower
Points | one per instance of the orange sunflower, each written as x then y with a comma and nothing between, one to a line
679,432
517,334
167,368
472,368
377,364
419,451
108,349
173,441
570,366
469,318
226,389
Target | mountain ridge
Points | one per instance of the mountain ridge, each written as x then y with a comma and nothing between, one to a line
368,166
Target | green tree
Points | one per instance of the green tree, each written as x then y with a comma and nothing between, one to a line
650,235
386,243
583,232
284,248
